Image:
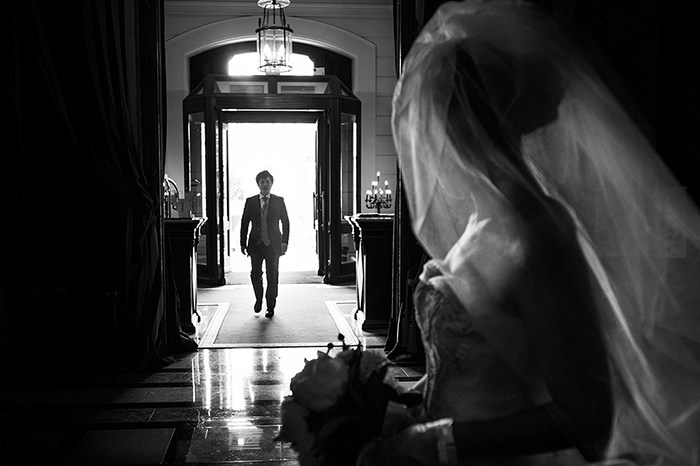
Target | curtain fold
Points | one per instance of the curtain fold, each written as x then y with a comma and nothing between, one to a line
102,62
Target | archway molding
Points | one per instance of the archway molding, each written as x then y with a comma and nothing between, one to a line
180,48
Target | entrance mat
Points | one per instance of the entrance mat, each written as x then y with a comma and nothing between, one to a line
305,315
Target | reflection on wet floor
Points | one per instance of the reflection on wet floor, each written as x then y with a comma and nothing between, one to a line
212,406
239,392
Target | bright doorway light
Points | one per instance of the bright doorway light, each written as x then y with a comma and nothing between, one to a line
246,64
294,169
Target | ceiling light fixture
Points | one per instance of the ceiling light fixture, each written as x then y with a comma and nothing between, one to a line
274,39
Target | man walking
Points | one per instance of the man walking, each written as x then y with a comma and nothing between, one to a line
266,242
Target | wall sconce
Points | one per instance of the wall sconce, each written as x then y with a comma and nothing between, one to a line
378,198
274,39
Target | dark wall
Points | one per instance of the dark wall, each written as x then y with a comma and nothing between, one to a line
651,46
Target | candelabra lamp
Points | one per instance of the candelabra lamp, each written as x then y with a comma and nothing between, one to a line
274,42
378,198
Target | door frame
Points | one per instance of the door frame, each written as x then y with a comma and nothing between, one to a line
219,105
320,118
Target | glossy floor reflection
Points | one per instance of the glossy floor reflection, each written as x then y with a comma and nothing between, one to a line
210,407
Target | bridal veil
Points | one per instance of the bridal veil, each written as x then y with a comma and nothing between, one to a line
638,229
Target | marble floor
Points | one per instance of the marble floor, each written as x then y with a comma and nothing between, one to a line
211,407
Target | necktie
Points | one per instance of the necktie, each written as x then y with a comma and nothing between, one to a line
263,222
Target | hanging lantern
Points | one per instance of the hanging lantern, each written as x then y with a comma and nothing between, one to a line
274,38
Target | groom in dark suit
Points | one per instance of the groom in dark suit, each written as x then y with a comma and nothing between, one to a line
266,242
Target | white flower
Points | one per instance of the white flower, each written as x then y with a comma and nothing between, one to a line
321,383
296,431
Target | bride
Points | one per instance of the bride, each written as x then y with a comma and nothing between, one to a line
561,324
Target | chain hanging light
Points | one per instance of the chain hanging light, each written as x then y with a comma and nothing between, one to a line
274,39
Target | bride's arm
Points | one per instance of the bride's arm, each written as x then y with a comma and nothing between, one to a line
525,433
557,299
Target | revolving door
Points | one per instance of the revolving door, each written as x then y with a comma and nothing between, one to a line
322,100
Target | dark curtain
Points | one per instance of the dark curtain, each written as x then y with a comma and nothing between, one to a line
100,67
409,256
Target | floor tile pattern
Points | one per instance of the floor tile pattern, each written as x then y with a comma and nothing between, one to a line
210,407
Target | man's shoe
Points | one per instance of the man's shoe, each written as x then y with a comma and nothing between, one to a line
270,313
258,307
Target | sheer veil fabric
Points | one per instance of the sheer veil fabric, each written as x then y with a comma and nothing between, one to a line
638,229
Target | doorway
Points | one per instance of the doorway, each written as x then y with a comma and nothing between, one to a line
220,101
293,164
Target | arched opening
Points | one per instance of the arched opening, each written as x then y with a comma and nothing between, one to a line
342,53
329,247
296,170
216,61
246,64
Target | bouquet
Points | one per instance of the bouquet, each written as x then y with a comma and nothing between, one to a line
338,405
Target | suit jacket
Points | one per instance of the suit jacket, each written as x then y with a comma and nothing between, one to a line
276,215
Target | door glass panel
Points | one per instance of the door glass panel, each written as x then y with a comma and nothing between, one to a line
321,151
226,212
198,180
216,206
303,88
348,162
242,87
293,169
